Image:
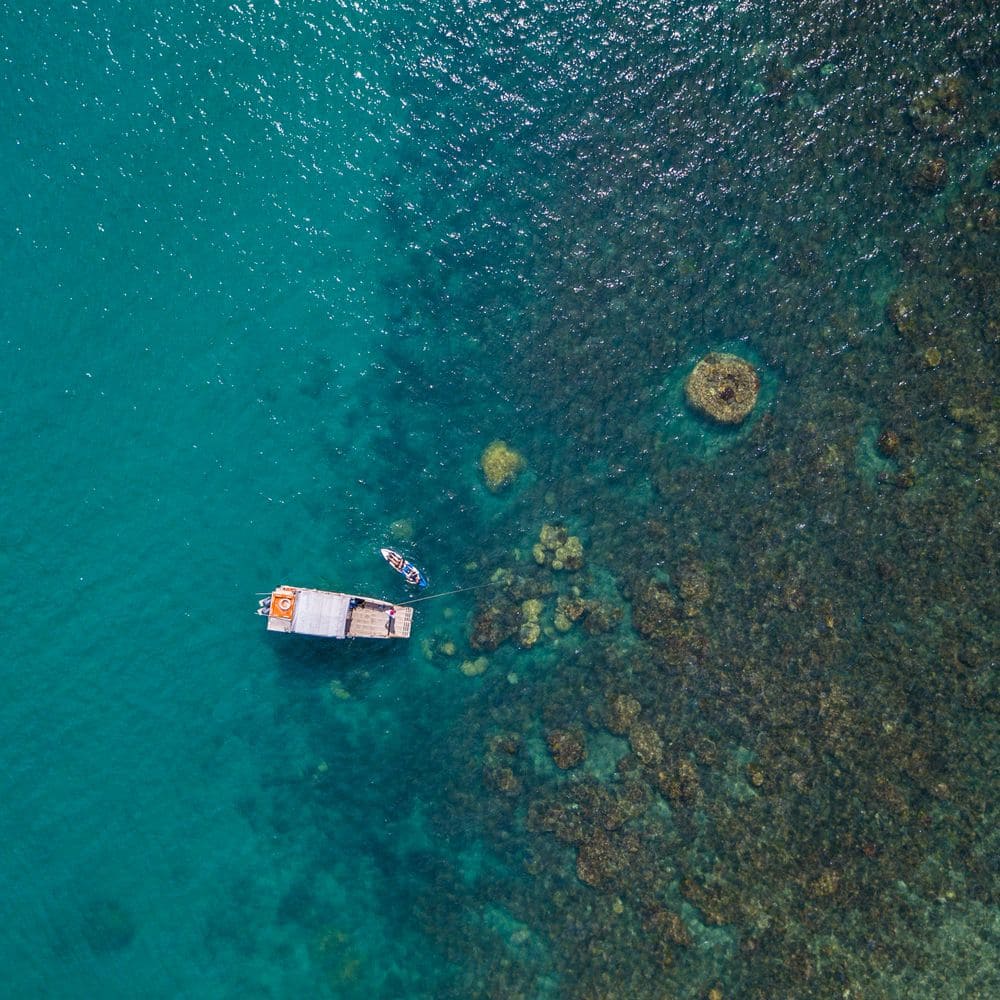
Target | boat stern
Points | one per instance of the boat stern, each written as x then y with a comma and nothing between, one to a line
279,609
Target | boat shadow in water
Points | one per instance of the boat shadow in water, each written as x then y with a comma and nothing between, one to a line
304,660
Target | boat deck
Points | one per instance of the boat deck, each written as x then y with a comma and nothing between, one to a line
334,615
372,622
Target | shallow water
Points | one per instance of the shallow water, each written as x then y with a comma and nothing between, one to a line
274,278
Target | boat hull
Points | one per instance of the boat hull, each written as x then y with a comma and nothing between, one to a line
333,615
402,565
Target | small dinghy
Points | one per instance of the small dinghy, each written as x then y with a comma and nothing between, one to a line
410,573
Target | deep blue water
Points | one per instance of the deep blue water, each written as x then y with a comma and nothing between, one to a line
273,277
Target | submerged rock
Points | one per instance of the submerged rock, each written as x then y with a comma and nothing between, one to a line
402,529
602,616
529,634
501,779
493,625
666,925
595,859
938,109
500,465
679,783
568,611
473,668
508,743
888,442
646,743
567,747
901,311
531,630
993,172
531,609
107,926
622,711
557,548
653,610
930,176
723,387
694,586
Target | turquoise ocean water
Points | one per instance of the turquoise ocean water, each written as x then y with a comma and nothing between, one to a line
274,275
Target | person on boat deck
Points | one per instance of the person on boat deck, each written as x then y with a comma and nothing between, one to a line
412,575
395,560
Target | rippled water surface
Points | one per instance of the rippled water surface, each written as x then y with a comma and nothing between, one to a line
719,717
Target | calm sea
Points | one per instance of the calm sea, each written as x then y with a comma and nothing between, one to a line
274,275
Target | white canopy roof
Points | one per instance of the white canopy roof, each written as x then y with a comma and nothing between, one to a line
319,612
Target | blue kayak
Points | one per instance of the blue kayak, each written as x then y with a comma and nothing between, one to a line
410,573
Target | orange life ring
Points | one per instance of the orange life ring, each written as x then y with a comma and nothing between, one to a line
282,605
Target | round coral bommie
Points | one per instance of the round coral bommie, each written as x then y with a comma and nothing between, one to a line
500,465
723,387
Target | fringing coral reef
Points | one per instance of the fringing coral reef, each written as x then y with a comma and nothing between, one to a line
750,747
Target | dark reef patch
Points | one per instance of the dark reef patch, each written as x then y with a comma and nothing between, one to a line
797,645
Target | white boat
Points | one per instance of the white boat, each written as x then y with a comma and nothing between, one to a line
401,564
334,615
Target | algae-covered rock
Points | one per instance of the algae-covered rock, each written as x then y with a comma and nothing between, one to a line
569,610
667,926
931,175
532,609
826,884
500,465
529,634
339,691
901,311
602,616
723,387
937,109
491,626
473,668
679,783
646,743
694,585
569,555
557,548
501,779
622,711
888,443
595,859
508,743
566,746
531,630
401,529
653,610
